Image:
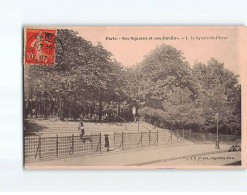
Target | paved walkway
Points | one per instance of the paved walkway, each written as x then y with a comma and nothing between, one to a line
145,156
229,158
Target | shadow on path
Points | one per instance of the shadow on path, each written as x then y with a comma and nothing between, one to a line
32,128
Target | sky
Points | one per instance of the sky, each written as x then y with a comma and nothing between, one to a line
200,45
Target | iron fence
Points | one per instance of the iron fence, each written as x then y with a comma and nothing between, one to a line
203,137
44,147
144,139
50,147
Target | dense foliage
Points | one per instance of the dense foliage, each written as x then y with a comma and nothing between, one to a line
164,88
190,97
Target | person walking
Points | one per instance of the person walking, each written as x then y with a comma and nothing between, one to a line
81,129
107,145
81,117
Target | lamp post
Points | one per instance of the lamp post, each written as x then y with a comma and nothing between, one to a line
217,145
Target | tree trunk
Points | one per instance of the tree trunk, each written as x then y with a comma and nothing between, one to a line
75,105
50,104
70,104
31,103
119,108
100,107
39,106
83,110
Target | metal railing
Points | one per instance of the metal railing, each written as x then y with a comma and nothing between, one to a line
48,147
56,146
203,137
51,147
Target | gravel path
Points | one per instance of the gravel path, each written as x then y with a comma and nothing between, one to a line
148,157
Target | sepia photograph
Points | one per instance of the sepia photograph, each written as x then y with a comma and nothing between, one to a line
132,97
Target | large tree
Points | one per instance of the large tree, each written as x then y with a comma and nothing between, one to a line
220,92
86,76
174,94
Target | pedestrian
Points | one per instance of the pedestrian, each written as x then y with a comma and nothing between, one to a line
81,117
33,112
107,145
81,129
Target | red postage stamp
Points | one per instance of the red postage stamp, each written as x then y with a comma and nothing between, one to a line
39,46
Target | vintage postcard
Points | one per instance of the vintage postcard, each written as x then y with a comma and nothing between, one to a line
134,97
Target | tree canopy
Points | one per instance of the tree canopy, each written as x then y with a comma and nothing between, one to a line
166,90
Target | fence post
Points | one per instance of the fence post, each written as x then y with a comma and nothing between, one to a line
149,137
57,145
122,140
39,146
177,135
171,136
190,135
157,137
100,142
72,143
